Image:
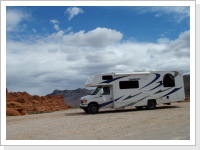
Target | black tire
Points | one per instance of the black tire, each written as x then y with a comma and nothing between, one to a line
151,104
93,109
86,110
139,107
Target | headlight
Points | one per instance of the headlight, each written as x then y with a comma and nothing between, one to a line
84,101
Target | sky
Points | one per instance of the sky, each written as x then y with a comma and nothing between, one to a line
59,47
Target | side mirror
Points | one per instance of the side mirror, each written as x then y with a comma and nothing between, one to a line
101,91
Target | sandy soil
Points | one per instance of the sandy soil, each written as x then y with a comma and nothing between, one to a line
164,123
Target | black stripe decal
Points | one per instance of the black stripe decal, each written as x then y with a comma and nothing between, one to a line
109,102
176,89
156,78
160,83
160,91
133,103
132,96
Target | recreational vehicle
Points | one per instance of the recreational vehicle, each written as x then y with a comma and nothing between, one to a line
136,89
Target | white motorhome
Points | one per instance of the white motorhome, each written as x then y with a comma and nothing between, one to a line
136,89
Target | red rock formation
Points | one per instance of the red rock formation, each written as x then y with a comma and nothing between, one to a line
20,103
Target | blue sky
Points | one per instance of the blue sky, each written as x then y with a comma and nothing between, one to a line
136,23
58,47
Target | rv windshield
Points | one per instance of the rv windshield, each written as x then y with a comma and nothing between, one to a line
96,90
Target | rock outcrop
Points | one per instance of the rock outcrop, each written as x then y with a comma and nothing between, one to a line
22,103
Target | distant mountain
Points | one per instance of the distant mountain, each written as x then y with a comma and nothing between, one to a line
72,97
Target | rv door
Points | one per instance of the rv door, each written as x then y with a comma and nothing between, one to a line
107,96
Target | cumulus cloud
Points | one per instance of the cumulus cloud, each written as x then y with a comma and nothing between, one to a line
178,48
181,46
65,60
73,11
14,17
174,55
99,37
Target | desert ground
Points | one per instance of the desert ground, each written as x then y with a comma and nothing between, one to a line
166,122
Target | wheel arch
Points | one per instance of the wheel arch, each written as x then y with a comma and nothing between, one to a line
94,103
152,100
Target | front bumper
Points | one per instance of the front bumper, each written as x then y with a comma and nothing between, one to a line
82,106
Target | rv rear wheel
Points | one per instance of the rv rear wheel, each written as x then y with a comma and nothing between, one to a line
151,104
93,109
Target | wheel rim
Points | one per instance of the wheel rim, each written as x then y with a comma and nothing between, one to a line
151,105
94,109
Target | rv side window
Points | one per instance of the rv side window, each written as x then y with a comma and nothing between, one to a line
106,90
108,77
128,84
168,81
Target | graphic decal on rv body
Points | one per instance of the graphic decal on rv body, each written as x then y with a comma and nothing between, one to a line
175,73
133,103
160,91
176,89
160,83
109,102
156,78
132,96
108,81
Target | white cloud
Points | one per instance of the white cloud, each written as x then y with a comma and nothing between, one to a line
179,12
14,17
64,61
55,24
99,37
54,37
170,9
174,55
54,21
158,15
163,41
181,46
56,27
68,29
73,11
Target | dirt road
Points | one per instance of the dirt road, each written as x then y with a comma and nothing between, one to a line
164,123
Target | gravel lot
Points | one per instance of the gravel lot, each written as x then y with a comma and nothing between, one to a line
164,123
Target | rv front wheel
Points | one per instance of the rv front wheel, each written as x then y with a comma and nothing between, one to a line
93,109
151,104
86,110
